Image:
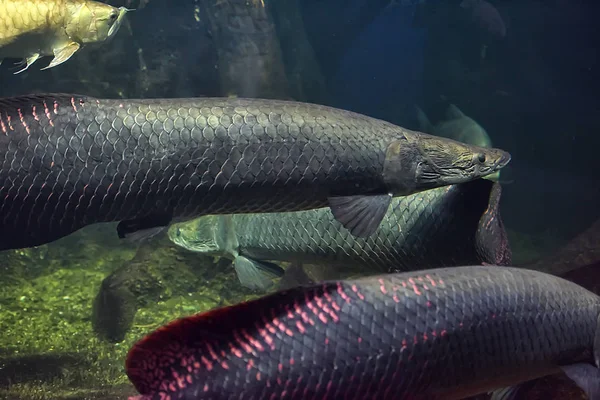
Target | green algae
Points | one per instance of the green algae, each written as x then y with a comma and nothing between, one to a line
48,348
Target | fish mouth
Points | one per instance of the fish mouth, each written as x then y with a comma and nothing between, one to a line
503,160
115,27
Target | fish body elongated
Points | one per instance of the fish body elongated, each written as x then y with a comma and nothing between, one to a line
68,161
449,226
30,29
433,334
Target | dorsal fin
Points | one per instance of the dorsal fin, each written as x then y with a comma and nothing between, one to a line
453,112
425,124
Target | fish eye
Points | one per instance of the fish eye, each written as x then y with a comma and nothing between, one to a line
178,232
113,15
481,157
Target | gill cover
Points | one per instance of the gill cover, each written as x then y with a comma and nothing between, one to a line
93,21
210,235
419,161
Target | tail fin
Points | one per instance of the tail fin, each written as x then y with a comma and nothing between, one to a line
205,342
491,238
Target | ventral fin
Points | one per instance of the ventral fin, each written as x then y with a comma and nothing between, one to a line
63,54
360,214
28,61
140,229
586,376
256,275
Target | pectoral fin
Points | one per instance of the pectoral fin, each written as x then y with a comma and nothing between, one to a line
63,54
360,214
28,61
256,275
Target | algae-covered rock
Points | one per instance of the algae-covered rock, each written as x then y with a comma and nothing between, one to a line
303,71
250,62
46,309
179,282
152,274
114,308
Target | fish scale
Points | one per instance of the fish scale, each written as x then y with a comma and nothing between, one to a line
435,334
135,152
71,160
444,219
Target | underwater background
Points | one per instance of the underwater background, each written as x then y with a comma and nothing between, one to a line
533,84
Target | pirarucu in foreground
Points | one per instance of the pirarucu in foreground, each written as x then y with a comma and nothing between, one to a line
433,334
67,161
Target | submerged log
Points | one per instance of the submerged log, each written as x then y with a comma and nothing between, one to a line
249,55
583,250
304,74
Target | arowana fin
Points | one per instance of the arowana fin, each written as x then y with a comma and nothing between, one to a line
360,214
63,54
28,61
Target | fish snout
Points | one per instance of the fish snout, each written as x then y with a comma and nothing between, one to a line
504,159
